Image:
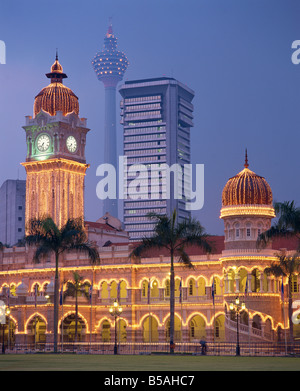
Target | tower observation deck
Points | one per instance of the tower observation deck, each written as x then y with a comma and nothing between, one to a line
110,65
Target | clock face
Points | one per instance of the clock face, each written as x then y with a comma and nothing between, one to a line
43,142
71,144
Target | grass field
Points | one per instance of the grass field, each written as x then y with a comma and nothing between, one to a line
69,362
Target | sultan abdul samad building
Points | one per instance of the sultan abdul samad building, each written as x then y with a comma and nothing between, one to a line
56,167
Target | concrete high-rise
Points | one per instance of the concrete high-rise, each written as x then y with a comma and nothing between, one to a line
110,66
12,211
157,115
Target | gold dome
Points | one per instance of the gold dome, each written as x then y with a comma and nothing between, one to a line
56,97
247,188
56,67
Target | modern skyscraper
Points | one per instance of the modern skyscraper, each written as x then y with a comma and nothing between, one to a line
110,66
12,211
157,115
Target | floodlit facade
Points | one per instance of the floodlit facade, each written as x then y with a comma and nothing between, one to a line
142,287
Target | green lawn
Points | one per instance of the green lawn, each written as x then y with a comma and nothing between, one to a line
70,362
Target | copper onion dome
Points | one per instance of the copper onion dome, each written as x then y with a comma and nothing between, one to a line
56,97
247,188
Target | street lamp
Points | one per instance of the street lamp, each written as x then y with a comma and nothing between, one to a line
115,310
237,307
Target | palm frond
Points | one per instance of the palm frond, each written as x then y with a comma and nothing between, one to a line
88,248
184,258
154,242
42,251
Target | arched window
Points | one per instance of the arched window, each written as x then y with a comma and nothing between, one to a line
167,288
255,282
248,230
259,229
201,287
145,289
113,290
154,292
104,290
294,284
192,287
105,332
237,230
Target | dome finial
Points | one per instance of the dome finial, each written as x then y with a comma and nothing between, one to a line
246,165
56,57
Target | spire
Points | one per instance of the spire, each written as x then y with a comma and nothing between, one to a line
246,165
109,30
56,74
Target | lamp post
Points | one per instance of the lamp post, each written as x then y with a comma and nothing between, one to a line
237,307
115,310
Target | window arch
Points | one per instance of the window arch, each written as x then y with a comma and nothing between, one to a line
197,328
255,280
248,230
154,288
192,287
113,290
201,287
104,290
237,230
145,285
167,288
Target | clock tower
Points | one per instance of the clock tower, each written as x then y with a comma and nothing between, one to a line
55,163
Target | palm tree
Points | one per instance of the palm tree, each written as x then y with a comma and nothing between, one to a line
76,289
48,238
287,225
286,266
175,237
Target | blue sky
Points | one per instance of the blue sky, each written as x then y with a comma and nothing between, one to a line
235,55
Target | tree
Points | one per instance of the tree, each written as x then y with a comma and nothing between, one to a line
286,266
76,289
287,225
175,237
48,238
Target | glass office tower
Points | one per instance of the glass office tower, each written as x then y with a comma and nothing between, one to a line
157,115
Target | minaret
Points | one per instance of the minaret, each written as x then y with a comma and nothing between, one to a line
110,66
247,208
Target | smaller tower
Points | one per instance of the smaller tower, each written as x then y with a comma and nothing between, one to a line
247,208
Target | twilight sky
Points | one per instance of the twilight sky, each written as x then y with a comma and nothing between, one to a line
235,55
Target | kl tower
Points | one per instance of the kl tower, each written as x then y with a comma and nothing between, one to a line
110,66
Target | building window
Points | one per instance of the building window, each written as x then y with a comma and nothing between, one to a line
167,288
248,232
20,207
19,229
237,230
